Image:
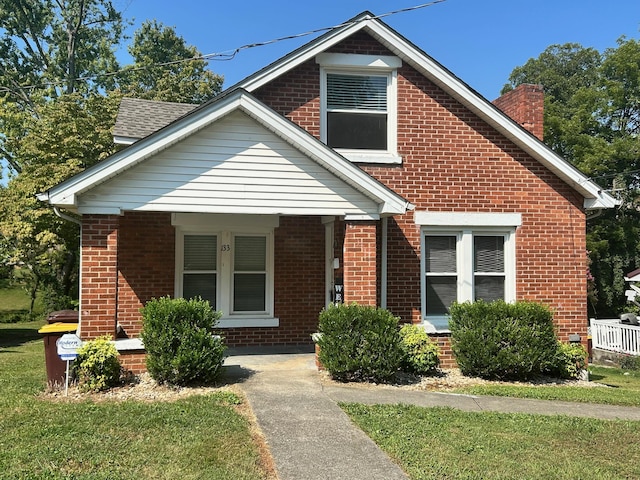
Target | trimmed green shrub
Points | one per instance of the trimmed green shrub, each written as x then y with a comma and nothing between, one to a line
182,346
420,353
97,366
359,343
629,362
503,341
571,359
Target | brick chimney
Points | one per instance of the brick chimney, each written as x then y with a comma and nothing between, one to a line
525,105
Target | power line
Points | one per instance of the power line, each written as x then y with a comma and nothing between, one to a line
221,56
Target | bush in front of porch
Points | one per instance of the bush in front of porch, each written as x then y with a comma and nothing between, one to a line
359,343
182,346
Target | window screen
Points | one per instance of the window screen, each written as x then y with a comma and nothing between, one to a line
488,268
250,275
357,111
441,276
199,277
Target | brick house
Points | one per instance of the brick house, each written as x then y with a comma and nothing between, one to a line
354,167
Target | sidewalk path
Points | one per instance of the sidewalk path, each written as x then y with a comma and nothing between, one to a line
311,438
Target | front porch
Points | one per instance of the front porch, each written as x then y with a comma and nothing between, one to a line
131,258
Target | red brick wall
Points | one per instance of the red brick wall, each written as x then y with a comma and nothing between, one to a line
99,275
454,162
146,260
360,263
133,362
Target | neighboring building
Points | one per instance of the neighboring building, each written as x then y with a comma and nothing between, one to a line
356,161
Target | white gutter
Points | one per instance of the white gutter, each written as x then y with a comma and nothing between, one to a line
64,216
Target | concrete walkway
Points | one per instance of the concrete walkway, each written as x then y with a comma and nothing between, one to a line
310,437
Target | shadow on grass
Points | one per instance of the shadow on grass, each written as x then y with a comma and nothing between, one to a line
14,337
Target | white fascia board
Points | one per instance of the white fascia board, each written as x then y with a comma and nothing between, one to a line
313,48
389,201
65,194
594,196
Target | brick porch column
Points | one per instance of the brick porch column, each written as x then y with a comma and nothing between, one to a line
360,266
99,276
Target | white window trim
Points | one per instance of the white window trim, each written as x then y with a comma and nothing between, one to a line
464,264
364,65
226,227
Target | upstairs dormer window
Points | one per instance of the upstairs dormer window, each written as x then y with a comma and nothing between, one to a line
358,103
357,111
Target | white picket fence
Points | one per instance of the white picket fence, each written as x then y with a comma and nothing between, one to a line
615,336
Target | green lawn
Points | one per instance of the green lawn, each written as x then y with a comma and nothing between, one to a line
443,443
624,389
14,302
202,437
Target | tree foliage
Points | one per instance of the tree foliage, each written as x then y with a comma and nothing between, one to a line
71,133
160,71
592,118
46,47
60,86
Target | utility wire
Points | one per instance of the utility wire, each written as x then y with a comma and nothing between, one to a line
221,56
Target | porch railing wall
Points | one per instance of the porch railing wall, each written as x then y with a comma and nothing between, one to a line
615,336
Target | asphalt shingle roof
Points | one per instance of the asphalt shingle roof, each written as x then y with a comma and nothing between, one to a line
138,118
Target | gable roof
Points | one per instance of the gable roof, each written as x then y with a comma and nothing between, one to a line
138,118
193,118
594,196
385,201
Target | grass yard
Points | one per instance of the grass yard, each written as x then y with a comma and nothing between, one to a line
14,302
624,389
442,443
201,437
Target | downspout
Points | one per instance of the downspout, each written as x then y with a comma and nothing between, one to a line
69,218
383,264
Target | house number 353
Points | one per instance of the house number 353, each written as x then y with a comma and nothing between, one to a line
225,247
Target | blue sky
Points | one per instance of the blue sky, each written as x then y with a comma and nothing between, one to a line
479,41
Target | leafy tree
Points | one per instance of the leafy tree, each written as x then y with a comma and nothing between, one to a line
71,133
592,118
161,72
46,46
564,71
60,86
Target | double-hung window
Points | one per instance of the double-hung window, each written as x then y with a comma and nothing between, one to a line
464,266
200,267
357,111
249,274
231,266
466,262
358,106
